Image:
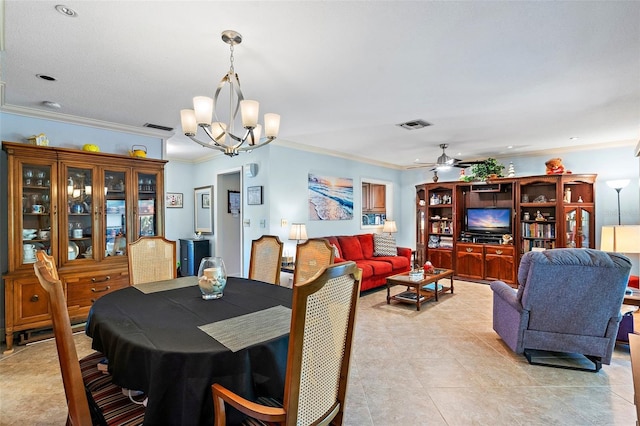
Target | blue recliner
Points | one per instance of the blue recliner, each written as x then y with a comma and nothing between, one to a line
568,300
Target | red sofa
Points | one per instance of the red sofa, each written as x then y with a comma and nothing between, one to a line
375,269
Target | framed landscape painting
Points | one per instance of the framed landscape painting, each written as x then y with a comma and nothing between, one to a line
330,198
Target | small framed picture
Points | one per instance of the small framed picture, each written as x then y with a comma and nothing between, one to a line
206,201
173,200
254,195
233,206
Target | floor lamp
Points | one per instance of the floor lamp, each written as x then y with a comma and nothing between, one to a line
618,185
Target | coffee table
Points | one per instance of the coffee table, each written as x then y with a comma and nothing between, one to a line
419,291
633,298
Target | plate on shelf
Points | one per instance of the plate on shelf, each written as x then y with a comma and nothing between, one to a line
73,250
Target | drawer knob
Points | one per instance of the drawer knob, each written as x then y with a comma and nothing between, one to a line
107,278
35,298
498,251
107,288
469,249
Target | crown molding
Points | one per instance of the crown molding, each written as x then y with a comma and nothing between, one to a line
293,145
82,121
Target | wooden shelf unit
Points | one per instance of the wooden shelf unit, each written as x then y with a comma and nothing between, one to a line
565,222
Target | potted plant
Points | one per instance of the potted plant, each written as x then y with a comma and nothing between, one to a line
490,168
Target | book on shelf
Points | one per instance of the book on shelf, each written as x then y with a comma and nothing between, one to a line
432,287
409,296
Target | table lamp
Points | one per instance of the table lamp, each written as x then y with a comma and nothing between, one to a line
389,226
620,238
298,232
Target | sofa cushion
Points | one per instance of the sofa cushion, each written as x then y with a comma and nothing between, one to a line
367,270
366,242
379,268
384,245
350,247
397,262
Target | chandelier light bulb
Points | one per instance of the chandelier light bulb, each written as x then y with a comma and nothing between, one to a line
203,107
249,110
271,125
189,124
218,130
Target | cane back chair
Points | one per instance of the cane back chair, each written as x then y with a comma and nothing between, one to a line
266,258
311,256
152,259
322,323
106,404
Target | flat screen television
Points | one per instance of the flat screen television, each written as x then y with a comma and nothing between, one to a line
488,220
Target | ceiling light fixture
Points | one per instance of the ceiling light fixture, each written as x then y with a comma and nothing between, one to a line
220,133
66,11
444,162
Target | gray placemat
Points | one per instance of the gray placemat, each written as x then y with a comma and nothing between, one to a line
157,286
246,330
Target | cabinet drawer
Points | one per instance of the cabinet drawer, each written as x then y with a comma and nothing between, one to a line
499,250
469,248
31,302
85,289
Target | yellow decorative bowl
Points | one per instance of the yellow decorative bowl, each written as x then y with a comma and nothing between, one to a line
91,147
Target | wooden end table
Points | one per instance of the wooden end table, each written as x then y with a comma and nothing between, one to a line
418,291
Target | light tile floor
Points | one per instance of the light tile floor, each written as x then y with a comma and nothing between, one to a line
443,365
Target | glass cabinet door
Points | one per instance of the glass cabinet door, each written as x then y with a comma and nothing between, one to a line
147,202
37,210
79,223
115,213
578,225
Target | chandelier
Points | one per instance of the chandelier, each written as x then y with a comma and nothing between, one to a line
221,134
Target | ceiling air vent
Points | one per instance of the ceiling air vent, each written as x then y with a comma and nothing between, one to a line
414,124
159,127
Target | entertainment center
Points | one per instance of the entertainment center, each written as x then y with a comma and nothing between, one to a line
482,229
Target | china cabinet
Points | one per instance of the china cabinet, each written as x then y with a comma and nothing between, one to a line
82,208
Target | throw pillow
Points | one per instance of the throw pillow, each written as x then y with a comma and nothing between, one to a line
336,252
384,245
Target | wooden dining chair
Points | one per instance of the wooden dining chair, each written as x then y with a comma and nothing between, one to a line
152,259
311,256
107,405
266,258
634,351
322,323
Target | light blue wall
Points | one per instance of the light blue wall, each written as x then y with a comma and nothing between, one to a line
17,128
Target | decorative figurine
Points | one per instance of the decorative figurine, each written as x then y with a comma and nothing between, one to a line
539,216
511,172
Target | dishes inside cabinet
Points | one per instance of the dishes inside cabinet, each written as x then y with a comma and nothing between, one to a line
73,250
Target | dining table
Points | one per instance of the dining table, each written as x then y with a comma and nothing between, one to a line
164,339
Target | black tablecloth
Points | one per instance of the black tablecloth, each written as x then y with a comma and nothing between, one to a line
153,344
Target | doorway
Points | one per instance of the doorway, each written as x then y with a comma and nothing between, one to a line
228,221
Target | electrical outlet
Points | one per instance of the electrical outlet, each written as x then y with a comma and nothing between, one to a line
247,223
283,222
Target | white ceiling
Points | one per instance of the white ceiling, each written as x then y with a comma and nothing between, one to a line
487,75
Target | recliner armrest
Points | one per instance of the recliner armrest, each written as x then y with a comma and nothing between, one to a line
506,293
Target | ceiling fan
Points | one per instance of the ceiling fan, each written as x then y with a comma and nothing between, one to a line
445,162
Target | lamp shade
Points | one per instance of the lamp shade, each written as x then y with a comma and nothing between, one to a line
618,184
389,226
298,231
620,238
